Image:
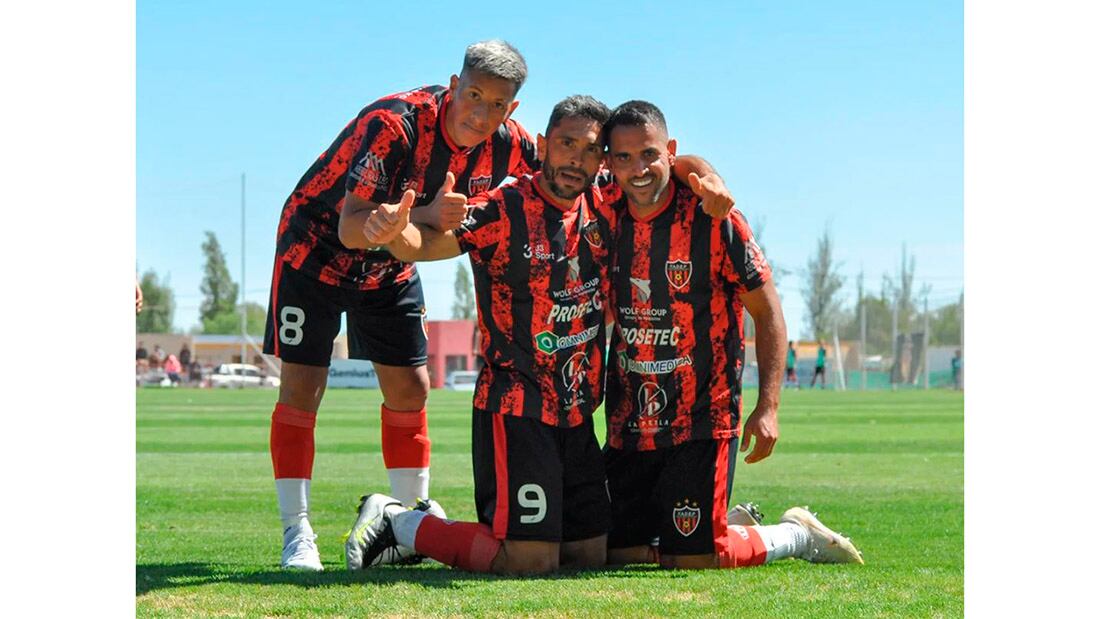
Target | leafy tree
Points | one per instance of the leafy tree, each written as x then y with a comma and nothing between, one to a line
159,305
218,289
229,323
945,323
820,287
464,307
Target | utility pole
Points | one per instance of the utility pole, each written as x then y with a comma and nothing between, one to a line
927,342
894,345
244,310
863,344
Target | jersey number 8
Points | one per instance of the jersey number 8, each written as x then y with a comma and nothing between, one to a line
292,319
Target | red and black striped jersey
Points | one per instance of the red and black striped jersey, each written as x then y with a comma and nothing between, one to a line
540,277
395,143
677,349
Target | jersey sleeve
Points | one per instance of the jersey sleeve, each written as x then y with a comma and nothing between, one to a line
485,224
524,158
373,172
745,265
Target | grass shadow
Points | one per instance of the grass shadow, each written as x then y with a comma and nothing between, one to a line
156,576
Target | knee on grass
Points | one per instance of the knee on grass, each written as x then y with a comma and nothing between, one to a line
527,558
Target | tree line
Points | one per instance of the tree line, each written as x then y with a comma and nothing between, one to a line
219,313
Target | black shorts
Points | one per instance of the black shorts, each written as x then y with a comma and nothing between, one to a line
679,494
538,482
819,371
385,325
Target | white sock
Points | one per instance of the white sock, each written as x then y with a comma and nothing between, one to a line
408,485
405,526
293,500
783,540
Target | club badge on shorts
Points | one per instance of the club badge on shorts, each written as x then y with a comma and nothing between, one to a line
686,517
678,272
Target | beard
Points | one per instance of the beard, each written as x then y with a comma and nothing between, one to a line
551,174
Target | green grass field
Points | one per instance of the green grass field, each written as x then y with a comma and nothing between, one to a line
885,468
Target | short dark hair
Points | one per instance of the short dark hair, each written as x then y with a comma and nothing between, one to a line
497,58
582,106
634,113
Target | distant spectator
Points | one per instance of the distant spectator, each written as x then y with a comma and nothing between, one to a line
157,357
185,361
172,369
142,358
792,361
195,371
956,369
819,366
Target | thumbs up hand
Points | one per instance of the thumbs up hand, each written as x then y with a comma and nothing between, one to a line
388,220
717,200
447,210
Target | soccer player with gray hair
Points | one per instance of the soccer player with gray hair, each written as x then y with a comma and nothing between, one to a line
429,147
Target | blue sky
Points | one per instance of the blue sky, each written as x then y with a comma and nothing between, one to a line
846,115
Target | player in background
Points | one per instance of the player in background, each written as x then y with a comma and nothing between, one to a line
792,365
819,365
428,148
679,283
538,251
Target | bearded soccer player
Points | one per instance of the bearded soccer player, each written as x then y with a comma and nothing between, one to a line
538,249
428,148
679,282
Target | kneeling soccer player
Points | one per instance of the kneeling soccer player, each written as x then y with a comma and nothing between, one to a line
541,284
679,282
538,250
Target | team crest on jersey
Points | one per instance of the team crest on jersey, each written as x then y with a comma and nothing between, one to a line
678,272
480,184
593,235
686,516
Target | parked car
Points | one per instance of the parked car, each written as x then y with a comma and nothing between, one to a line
241,375
461,380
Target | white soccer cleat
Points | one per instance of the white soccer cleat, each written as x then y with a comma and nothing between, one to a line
745,514
300,548
826,545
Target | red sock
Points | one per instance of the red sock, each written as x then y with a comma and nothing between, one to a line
405,443
743,548
292,442
467,545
